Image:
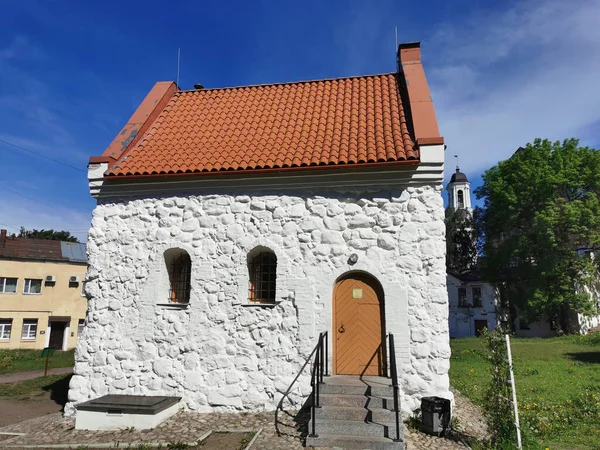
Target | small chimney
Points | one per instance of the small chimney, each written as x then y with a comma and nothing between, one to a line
416,95
2,238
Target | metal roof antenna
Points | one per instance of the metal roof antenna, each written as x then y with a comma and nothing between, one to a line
178,66
457,167
396,50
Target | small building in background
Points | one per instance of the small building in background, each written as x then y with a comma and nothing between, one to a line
472,304
42,303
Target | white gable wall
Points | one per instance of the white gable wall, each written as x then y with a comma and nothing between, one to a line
223,354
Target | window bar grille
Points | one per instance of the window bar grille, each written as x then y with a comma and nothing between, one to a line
263,273
180,274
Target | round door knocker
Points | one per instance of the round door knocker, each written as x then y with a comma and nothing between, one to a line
342,329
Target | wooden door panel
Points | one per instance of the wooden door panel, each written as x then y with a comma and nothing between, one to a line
360,320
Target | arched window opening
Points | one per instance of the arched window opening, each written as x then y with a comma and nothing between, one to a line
461,199
262,268
180,273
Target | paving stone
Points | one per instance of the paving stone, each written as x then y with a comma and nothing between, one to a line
188,427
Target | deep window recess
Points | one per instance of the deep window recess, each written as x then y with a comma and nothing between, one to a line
80,326
461,199
477,297
8,285
5,329
32,286
462,297
262,268
180,273
29,330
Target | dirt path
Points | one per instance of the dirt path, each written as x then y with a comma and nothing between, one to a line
22,376
17,409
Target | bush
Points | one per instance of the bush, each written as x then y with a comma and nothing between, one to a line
591,339
498,409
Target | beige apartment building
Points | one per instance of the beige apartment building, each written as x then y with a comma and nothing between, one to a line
42,303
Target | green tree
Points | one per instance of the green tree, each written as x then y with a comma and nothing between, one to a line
461,240
50,235
541,208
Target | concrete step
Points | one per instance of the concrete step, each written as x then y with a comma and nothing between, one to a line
378,415
355,428
354,442
330,386
357,401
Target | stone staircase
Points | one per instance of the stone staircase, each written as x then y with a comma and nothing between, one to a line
356,413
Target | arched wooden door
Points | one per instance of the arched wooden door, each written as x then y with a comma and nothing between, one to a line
358,326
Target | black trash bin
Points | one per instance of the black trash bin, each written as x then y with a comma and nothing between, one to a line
435,415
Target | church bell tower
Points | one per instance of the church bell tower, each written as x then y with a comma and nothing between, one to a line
459,191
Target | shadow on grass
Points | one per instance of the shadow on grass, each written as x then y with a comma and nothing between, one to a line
59,390
585,357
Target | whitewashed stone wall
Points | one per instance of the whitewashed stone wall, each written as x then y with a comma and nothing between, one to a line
222,354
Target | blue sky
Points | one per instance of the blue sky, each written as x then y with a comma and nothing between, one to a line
71,74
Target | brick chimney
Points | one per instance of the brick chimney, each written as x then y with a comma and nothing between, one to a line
2,238
420,105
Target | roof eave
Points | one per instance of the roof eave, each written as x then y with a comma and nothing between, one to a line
374,165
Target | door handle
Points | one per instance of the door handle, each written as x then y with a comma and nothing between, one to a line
341,329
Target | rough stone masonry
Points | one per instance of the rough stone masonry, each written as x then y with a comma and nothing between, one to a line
222,353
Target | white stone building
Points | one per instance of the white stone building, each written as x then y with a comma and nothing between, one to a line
472,303
234,225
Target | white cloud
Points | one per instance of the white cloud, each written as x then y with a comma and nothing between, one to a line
500,80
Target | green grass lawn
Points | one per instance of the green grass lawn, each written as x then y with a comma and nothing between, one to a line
56,385
24,360
558,386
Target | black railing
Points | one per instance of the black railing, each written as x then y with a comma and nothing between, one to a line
318,372
319,352
396,388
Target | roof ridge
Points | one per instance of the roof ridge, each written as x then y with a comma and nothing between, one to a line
283,83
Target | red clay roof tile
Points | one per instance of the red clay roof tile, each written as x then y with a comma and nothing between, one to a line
327,122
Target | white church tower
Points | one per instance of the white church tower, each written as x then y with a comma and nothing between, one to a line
459,191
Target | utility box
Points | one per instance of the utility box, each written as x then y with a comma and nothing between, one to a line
435,415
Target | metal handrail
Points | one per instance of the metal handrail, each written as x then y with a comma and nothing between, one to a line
319,370
395,386
316,350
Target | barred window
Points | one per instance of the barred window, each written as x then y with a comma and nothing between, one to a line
180,272
262,268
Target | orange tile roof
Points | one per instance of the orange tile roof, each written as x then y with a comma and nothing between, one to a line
327,122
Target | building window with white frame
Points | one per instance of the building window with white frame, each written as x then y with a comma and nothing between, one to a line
80,326
29,330
32,286
477,302
8,285
5,329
